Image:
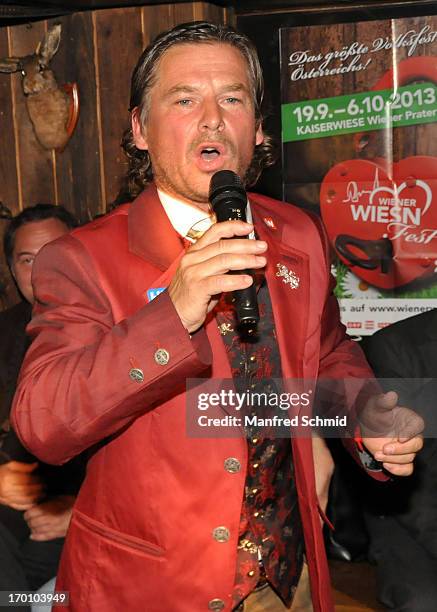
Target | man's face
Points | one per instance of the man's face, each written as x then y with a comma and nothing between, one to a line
201,119
29,239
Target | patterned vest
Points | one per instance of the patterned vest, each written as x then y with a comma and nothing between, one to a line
270,526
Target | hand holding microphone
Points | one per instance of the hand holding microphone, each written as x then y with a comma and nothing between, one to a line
202,274
229,201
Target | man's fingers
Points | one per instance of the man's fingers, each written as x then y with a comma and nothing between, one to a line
412,445
229,262
223,282
218,259
21,500
395,459
226,229
34,512
212,275
22,506
18,466
399,452
399,469
30,490
236,246
42,537
39,522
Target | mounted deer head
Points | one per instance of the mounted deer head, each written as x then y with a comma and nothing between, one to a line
53,110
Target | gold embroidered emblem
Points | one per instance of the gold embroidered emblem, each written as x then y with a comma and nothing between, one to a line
288,276
225,328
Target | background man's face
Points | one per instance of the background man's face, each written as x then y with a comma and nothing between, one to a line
29,239
201,119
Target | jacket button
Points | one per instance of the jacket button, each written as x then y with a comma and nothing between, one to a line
232,465
216,605
137,375
162,357
221,534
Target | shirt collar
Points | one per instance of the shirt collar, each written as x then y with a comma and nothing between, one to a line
184,216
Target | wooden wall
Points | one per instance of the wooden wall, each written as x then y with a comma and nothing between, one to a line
98,50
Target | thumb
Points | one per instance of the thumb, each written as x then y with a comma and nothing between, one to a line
387,401
18,466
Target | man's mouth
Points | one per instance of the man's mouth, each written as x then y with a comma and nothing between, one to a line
209,153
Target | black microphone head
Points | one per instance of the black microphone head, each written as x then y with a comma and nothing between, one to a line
226,189
223,179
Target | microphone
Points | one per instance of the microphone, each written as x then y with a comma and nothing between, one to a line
229,200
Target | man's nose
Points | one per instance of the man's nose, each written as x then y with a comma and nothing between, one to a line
212,116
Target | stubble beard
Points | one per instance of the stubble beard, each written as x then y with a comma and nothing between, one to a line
197,195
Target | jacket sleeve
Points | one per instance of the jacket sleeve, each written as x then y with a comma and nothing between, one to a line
76,386
350,379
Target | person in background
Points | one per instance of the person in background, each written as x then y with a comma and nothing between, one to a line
35,499
130,306
401,518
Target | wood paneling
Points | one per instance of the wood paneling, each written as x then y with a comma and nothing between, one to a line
8,168
78,167
121,30
98,50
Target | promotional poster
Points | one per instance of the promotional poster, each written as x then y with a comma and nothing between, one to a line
359,138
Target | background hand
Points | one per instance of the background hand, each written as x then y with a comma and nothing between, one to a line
50,519
20,488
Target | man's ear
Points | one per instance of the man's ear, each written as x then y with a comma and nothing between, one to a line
139,131
259,136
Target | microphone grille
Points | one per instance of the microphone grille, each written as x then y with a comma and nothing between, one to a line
225,181
225,178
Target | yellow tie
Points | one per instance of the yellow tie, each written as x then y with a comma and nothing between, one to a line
197,230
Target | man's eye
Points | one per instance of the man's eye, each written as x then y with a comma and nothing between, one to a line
27,260
233,100
184,102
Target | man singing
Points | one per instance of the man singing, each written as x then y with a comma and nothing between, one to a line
133,304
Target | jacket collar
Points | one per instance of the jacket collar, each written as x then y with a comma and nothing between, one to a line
151,235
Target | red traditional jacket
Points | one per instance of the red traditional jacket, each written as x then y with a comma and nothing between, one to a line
142,536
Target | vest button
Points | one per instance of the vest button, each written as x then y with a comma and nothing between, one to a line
216,605
221,534
232,465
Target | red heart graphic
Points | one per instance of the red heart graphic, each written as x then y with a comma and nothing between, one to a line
382,218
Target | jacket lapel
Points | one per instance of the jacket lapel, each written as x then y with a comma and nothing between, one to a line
287,275
151,235
155,246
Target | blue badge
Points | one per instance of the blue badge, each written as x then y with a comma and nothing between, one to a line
154,292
